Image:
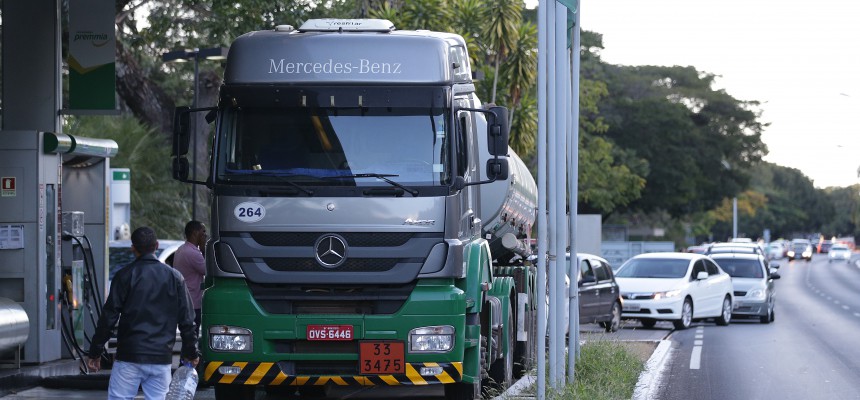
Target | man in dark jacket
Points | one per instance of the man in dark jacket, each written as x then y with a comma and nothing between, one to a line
151,299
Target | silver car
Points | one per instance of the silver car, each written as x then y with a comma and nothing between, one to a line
752,281
839,252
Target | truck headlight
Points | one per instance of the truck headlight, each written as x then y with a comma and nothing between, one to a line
230,338
431,339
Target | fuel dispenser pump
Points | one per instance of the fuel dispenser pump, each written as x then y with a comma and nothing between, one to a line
82,300
72,282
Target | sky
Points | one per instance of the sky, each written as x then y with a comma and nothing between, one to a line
801,60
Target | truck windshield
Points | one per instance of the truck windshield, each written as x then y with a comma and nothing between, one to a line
311,145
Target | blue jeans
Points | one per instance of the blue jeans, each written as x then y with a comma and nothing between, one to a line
126,377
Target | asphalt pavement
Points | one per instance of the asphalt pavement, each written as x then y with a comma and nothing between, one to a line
631,331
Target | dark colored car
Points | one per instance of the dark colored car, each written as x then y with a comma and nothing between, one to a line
800,250
599,297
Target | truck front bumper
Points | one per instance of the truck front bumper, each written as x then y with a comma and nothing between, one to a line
272,374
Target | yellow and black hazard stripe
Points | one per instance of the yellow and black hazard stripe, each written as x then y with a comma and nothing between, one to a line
267,373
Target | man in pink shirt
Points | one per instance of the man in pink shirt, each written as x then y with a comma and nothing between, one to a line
188,260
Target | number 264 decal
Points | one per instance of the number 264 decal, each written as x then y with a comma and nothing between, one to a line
249,212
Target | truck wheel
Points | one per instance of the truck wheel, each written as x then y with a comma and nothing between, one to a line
235,392
465,390
462,391
501,371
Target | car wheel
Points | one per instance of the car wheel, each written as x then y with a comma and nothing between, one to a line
648,322
615,322
686,315
772,315
726,317
765,319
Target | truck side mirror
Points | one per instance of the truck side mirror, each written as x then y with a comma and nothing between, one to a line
498,131
180,169
497,169
181,131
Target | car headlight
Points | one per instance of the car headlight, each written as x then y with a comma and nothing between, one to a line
807,254
791,253
230,338
758,294
431,339
666,294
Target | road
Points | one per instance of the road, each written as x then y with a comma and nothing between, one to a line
631,331
809,352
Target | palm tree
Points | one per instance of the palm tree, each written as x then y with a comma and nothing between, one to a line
500,32
520,68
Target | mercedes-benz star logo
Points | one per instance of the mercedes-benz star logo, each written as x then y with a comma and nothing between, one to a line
330,251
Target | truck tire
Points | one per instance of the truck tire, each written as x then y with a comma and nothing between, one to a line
235,392
462,391
465,390
502,369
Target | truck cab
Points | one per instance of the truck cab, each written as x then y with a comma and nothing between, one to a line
359,190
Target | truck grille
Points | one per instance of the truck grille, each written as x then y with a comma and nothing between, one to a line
351,264
331,299
357,239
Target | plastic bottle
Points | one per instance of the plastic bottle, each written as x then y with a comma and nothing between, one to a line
184,383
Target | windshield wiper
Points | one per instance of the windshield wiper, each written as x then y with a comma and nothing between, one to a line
281,178
383,177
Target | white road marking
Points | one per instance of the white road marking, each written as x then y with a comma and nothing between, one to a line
846,307
696,357
700,336
857,314
698,342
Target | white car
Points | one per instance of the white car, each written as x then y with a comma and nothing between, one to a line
776,250
839,252
677,287
120,255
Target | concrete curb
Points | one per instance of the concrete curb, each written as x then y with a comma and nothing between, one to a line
650,379
514,391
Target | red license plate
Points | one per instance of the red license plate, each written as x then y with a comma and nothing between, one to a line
381,358
330,332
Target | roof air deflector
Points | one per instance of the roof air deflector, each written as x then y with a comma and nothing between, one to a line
347,25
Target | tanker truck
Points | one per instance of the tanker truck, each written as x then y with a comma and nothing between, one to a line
369,223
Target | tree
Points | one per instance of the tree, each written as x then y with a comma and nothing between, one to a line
686,131
157,200
500,31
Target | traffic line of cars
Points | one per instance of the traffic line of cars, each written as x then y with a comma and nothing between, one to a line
728,280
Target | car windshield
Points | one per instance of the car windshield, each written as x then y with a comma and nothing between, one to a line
741,268
800,247
838,248
654,268
122,256
336,145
